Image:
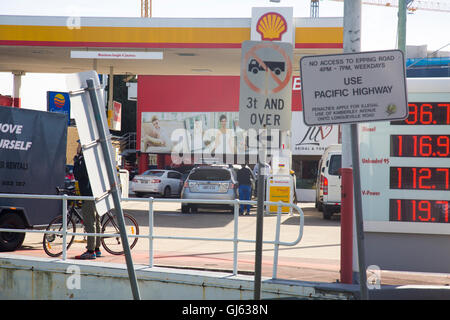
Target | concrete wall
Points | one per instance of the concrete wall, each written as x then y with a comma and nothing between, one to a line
54,279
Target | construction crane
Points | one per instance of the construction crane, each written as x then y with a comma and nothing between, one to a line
146,8
411,5
314,9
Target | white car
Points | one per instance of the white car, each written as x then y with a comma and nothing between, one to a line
166,183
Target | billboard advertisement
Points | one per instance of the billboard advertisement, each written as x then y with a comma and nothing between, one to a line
32,160
209,134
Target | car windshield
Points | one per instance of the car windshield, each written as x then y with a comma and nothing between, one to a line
155,173
210,175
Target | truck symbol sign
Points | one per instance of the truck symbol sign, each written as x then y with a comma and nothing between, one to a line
276,66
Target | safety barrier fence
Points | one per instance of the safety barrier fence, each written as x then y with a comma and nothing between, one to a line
152,236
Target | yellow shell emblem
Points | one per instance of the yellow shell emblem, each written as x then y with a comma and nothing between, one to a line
271,26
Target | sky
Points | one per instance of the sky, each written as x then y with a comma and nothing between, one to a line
378,26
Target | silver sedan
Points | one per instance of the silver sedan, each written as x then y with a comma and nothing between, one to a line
166,183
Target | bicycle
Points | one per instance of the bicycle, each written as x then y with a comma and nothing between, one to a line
53,242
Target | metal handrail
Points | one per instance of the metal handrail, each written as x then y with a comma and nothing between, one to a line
151,236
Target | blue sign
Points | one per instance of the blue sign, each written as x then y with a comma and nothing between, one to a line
59,102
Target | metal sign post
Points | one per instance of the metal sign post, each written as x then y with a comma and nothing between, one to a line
259,230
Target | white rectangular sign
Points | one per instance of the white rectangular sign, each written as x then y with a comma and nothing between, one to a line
115,55
356,87
83,114
265,99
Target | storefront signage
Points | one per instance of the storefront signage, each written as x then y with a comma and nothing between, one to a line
115,55
273,24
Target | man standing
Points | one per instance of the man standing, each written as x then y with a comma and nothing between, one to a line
245,178
90,215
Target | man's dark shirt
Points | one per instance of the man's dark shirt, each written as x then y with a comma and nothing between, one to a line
244,176
80,173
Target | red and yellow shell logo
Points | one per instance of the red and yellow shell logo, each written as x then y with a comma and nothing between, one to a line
59,100
271,26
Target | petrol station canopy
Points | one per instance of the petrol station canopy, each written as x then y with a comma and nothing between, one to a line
189,46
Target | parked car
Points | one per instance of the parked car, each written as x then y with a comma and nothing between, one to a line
157,182
210,182
328,184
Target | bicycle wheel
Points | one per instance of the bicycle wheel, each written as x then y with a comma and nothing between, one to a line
52,242
113,244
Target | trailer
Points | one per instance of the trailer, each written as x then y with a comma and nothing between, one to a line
32,161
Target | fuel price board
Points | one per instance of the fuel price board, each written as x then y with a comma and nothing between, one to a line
405,181
408,165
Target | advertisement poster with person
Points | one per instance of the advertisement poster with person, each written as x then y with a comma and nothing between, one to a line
196,132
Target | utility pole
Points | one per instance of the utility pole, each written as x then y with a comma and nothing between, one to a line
401,26
350,152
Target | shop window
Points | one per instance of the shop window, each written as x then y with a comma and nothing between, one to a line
305,172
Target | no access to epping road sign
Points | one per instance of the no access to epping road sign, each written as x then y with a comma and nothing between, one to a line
356,87
265,85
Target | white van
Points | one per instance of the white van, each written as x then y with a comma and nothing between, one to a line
328,184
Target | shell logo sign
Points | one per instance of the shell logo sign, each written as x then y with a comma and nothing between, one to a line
271,26
59,100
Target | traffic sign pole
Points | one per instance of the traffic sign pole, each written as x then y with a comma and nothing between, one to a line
265,99
352,22
259,231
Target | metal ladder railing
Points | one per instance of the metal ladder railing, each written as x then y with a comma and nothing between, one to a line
152,236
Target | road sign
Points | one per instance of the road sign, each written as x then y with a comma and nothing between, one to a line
352,88
265,85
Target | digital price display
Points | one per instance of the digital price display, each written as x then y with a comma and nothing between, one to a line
426,114
405,166
405,182
416,210
418,178
420,146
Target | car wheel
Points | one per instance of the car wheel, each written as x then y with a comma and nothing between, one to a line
319,206
10,241
327,213
185,208
166,192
